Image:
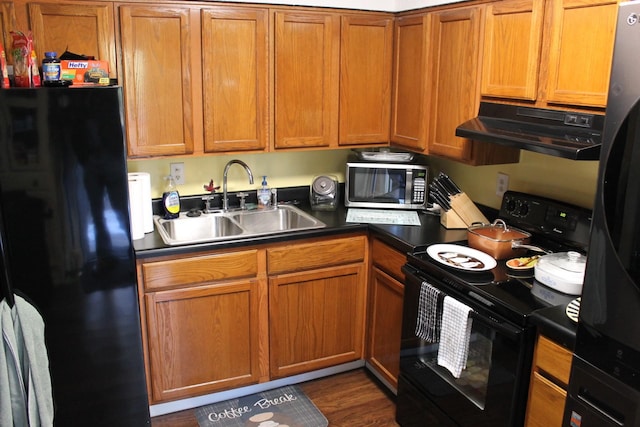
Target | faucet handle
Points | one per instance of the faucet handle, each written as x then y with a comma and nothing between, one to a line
207,201
242,195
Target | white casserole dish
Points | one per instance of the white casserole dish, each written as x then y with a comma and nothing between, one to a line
562,271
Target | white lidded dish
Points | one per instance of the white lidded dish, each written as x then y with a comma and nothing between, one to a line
562,271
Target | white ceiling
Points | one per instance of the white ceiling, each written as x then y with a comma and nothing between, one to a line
378,5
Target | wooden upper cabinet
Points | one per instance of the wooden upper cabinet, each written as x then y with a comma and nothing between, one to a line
85,28
580,51
7,24
453,77
512,46
365,79
158,78
408,113
235,79
306,55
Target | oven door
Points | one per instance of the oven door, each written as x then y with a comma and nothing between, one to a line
492,390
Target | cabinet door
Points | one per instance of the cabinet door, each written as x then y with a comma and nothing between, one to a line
235,79
580,51
385,327
512,46
84,28
306,79
365,79
203,339
408,117
316,319
7,24
546,403
454,92
158,79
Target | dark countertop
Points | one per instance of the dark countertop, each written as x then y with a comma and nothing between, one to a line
152,244
551,321
405,238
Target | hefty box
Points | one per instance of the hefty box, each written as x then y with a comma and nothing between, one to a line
87,72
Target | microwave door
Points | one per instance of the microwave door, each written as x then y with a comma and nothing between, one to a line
381,183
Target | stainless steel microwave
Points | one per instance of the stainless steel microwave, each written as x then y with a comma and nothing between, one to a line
385,185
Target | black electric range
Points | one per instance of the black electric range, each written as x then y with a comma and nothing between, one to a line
492,389
554,226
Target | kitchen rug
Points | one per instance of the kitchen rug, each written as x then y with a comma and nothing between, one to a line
282,407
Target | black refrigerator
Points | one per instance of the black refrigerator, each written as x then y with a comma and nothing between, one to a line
67,247
604,387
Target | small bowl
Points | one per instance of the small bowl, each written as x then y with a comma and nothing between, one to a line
525,263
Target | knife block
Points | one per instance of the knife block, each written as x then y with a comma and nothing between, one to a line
450,219
467,210
463,213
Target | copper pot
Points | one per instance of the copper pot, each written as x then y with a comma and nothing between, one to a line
498,240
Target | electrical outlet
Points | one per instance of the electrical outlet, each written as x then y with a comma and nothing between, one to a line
502,184
177,172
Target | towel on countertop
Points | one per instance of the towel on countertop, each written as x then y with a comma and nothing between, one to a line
429,313
454,336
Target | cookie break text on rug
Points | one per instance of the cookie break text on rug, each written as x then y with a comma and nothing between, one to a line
266,403
262,404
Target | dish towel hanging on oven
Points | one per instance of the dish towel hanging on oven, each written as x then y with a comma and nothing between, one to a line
429,313
454,336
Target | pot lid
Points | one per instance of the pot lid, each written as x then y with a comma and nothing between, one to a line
498,231
384,154
324,185
570,262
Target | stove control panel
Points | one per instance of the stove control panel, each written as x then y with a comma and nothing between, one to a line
540,215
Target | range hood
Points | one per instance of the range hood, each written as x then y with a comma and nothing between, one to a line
567,134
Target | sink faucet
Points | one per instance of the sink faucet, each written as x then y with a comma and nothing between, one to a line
225,200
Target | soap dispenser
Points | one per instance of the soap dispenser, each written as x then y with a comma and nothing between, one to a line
171,199
264,195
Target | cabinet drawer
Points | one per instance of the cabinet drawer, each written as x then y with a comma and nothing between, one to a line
553,359
388,259
200,269
315,255
546,403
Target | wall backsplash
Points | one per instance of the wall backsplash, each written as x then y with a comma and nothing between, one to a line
567,180
282,170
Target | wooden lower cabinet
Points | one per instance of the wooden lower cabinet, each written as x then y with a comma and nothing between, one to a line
204,338
548,387
316,304
218,320
204,323
385,312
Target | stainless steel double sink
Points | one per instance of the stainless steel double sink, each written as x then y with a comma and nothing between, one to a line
211,227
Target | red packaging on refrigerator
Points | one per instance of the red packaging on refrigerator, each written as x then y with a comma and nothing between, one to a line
25,65
4,74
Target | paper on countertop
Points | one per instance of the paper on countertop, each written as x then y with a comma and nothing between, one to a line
136,208
147,210
383,216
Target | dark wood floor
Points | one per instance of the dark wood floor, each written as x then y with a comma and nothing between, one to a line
353,399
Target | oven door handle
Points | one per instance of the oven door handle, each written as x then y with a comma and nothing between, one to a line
505,328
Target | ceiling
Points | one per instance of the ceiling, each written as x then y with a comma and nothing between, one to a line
377,5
